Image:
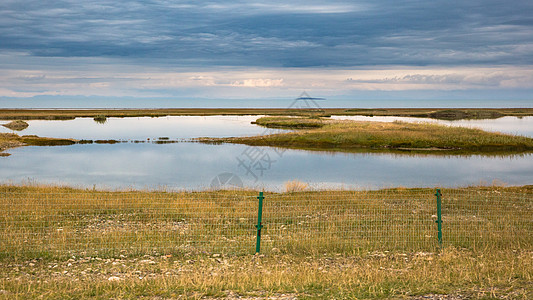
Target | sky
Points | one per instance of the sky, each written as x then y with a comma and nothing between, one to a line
266,49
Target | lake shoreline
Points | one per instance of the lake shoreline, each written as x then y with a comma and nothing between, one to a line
434,113
11,140
403,140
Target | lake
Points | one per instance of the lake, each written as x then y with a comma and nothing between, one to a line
143,128
189,165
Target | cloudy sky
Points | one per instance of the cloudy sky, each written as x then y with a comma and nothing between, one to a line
262,49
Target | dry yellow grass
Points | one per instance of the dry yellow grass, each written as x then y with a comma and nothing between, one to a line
449,274
295,186
59,242
53,221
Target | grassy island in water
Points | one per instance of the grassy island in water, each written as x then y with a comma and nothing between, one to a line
353,136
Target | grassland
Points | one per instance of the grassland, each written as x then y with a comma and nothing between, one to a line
332,135
439,113
450,274
65,243
58,242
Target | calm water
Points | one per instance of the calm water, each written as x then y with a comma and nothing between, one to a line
186,127
188,165
194,166
181,127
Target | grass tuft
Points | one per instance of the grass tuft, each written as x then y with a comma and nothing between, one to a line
16,125
100,119
295,186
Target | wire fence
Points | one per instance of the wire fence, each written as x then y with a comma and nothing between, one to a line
52,222
487,218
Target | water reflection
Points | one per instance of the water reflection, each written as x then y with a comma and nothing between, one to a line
183,127
142,128
193,166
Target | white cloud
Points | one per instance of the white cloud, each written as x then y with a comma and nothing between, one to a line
258,82
309,8
304,7
26,76
432,78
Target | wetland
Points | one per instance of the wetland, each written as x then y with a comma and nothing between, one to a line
149,152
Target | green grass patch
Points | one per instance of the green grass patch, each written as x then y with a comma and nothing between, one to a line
290,122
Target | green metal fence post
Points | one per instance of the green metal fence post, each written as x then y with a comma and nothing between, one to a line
439,217
259,222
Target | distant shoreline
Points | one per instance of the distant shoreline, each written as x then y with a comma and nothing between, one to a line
435,113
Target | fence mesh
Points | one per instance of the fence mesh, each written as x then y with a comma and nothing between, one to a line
48,221
350,221
487,218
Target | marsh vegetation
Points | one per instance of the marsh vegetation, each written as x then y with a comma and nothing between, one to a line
11,140
17,125
335,135
100,119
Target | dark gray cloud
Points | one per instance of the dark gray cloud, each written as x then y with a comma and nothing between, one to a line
277,34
